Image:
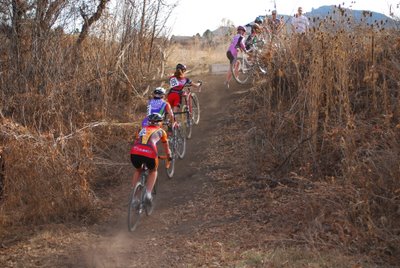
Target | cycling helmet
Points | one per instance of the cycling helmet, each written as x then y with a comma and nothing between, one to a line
241,28
181,66
256,27
259,20
155,117
159,91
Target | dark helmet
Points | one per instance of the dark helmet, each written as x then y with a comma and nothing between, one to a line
241,28
156,117
181,66
259,20
159,91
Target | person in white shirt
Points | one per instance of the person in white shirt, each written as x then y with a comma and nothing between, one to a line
300,23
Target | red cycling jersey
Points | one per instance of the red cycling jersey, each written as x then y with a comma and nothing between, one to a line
146,143
177,84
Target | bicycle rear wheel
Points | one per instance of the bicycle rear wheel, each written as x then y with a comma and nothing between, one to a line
187,122
195,108
180,141
241,71
134,206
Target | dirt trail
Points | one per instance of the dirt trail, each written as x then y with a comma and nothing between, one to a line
159,239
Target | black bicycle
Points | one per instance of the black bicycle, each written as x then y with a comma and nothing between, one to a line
137,199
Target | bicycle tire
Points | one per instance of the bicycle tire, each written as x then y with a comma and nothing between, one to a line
134,206
171,170
186,121
180,142
195,108
149,209
243,72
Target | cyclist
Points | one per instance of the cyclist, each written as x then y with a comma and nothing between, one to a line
144,151
158,105
253,37
259,20
236,45
177,82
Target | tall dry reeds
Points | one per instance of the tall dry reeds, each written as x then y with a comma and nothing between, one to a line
64,73
329,112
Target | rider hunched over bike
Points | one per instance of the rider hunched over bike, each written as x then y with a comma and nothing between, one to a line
157,104
144,151
177,83
237,44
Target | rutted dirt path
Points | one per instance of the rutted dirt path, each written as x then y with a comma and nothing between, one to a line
159,240
208,215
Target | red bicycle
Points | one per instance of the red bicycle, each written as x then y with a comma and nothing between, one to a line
190,111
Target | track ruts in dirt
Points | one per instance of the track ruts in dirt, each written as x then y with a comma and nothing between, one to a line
161,239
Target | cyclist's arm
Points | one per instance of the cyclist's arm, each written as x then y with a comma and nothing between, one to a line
194,84
170,113
164,140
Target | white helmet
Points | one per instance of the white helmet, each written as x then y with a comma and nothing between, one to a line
159,91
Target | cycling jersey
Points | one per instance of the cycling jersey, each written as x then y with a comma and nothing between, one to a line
146,143
155,106
236,44
177,84
251,40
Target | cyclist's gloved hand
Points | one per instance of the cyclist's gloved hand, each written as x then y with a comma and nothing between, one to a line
200,82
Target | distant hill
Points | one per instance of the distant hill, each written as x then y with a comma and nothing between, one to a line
358,17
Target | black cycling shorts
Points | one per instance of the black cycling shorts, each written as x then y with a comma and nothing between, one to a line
139,160
230,56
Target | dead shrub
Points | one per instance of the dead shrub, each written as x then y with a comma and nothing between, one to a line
42,182
335,122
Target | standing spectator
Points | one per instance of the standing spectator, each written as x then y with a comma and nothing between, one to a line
236,45
300,23
274,24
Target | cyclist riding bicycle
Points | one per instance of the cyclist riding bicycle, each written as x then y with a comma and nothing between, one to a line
253,37
158,105
144,151
177,82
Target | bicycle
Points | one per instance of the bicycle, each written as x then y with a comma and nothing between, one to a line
244,68
190,111
177,142
137,204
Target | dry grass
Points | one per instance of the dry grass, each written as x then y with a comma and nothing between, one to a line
328,115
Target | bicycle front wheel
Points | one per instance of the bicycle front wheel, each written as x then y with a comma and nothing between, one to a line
135,206
187,122
170,170
241,71
195,108
180,142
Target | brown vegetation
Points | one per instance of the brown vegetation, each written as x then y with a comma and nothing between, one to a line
320,134
329,118
57,88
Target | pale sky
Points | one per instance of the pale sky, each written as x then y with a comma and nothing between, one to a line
196,16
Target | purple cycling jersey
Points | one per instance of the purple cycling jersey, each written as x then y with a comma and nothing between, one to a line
237,42
154,106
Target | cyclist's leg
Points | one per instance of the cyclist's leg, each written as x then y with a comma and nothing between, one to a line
137,163
229,73
152,164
